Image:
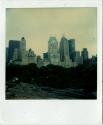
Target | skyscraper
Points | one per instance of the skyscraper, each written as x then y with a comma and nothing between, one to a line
64,52
71,48
84,54
7,49
64,49
17,56
13,44
31,57
23,51
53,52
76,56
45,56
46,59
17,51
39,61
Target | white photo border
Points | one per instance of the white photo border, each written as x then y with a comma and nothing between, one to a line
50,111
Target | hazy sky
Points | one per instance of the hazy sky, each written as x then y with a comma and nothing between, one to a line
37,25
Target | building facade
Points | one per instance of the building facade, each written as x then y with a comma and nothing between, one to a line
39,61
84,54
7,49
71,43
64,53
53,52
45,56
76,56
14,45
31,57
23,51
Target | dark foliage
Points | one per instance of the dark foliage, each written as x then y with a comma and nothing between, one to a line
81,77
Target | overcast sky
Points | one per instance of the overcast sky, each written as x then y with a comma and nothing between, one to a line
36,25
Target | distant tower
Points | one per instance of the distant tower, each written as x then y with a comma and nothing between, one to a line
77,57
13,44
31,57
45,56
7,49
94,60
17,56
64,52
71,48
53,52
84,54
64,49
46,59
23,51
39,61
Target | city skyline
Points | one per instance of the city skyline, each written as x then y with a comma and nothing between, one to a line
36,25
64,54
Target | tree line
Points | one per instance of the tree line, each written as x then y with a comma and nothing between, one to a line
80,77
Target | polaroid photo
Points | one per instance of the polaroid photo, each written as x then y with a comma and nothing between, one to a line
51,62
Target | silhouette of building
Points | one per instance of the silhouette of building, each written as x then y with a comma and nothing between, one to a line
71,48
84,54
45,56
7,49
14,45
17,57
23,51
53,52
39,61
93,60
17,51
46,59
64,53
76,56
31,57
81,60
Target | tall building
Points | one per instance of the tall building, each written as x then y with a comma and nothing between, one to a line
81,60
45,56
13,44
93,60
46,59
23,51
64,52
53,52
76,56
17,56
31,57
39,61
17,51
71,48
7,49
84,54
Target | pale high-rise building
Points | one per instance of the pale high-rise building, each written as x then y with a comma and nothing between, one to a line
64,53
53,52
31,57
